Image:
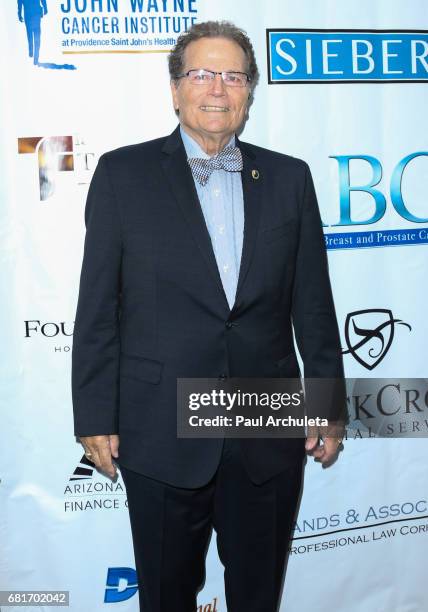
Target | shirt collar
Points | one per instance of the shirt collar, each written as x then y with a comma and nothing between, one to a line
193,149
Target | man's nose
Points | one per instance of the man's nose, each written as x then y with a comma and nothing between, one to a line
217,86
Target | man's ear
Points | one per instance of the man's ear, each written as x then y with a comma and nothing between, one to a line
173,86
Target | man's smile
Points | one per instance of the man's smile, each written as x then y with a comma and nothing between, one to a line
214,109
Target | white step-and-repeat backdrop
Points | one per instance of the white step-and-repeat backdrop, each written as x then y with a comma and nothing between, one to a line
344,86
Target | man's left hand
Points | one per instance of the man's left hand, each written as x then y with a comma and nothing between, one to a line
322,448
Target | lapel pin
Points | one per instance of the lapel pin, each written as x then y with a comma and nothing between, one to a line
255,174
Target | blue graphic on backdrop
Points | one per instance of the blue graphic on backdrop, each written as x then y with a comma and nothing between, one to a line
121,584
378,237
347,56
372,239
34,11
345,189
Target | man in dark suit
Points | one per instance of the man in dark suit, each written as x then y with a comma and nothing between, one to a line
201,251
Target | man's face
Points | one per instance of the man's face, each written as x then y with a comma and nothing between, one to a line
212,109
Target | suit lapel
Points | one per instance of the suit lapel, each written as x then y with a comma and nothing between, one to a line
252,183
179,176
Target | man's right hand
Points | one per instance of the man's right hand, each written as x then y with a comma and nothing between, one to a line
100,450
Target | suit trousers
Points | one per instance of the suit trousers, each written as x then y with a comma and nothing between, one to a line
171,529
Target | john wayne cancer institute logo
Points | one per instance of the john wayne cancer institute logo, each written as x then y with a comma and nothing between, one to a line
100,26
369,335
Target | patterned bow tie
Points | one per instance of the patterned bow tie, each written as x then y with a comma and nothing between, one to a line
229,159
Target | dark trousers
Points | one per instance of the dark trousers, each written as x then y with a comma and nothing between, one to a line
171,528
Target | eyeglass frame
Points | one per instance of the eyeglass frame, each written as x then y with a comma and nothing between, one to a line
214,73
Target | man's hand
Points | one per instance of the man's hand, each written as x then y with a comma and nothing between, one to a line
100,450
326,452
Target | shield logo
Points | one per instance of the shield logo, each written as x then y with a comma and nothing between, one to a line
369,335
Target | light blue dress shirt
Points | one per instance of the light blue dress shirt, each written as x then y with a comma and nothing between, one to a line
222,203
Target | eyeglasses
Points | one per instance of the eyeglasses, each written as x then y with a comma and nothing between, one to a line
205,77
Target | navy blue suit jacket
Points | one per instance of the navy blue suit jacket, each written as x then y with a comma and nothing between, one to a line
152,308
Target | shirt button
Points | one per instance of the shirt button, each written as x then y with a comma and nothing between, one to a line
225,267
216,192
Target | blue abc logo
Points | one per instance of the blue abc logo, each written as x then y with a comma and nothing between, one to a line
371,188
122,584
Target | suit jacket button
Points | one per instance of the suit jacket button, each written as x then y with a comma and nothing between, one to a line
229,324
222,376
